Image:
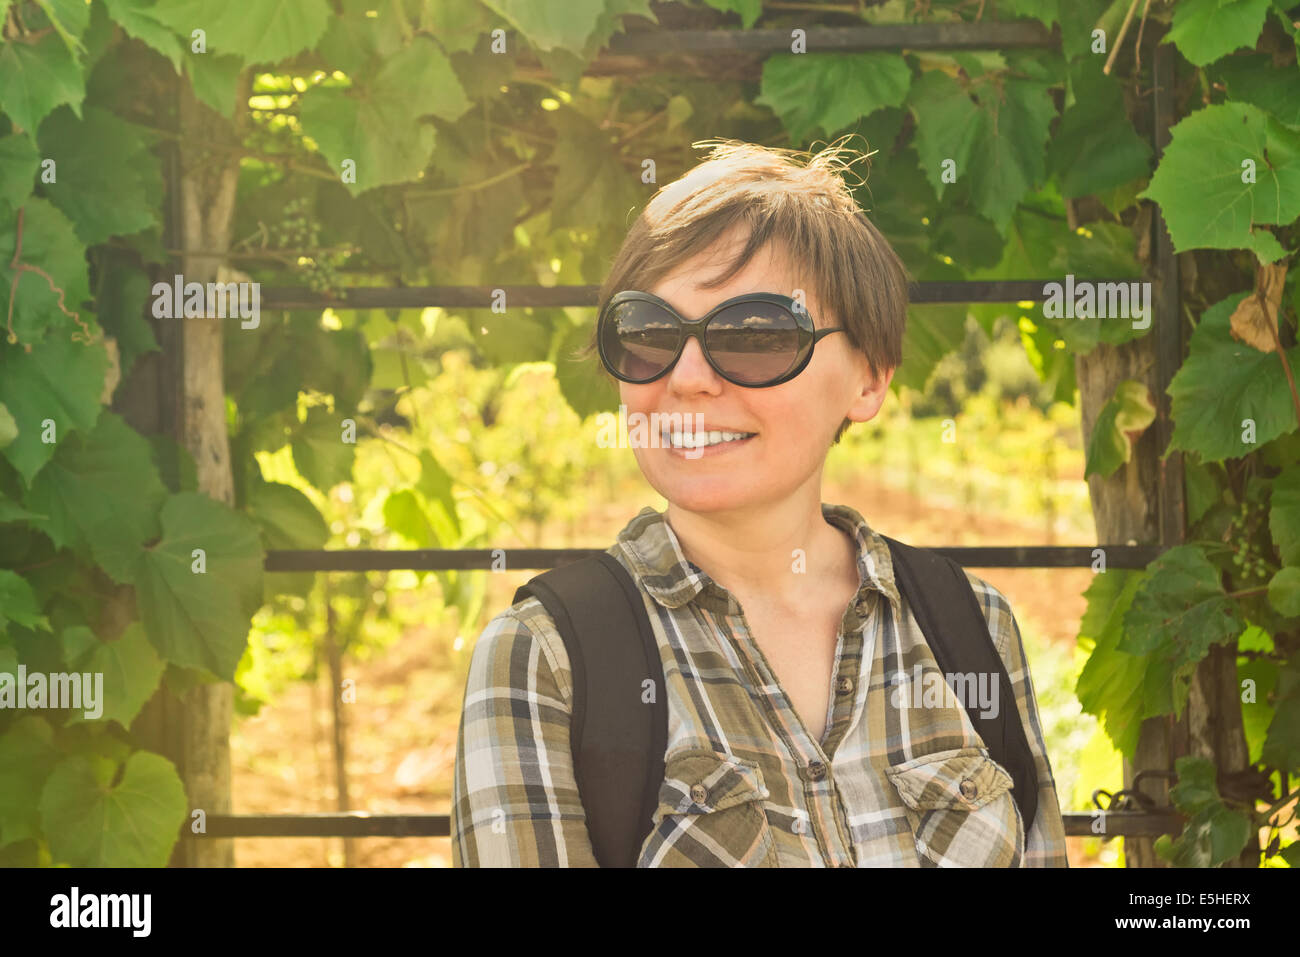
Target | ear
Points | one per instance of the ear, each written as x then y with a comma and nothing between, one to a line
874,389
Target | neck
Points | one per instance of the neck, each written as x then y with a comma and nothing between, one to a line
782,552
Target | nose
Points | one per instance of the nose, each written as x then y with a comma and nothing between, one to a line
692,374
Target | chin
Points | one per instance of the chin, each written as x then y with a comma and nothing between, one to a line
719,493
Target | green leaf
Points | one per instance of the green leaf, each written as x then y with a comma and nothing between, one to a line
1282,745
200,620
10,512
1196,789
37,77
583,383
456,25
590,180
1252,78
58,380
1044,11
288,520
932,332
1180,609
521,334
1199,187
948,126
1111,683
404,514
351,41
8,427
1205,30
319,452
435,484
1078,19
69,19
27,756
749,10
1284,591
966,238
1224,383
215,78
998,143
396,369
89,822
1284,515
1262,675
137,20
1203,489
550,25
51,244
114,189
130,666
1099,250
120,309
18,603
264,32
476,223
20,161
175,464
1095,147
1122,420
1211,837
1215,833
287,517
377,125
830,91
102,494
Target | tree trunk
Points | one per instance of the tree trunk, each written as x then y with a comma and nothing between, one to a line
1125,508
207,196
181,392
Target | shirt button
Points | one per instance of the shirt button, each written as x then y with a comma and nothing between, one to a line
844,685
816,770
699,794
968,789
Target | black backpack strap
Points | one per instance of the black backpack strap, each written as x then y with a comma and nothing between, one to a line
600,614
949,614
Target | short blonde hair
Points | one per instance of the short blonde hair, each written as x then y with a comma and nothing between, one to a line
807,209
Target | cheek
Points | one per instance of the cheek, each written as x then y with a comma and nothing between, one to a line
637,398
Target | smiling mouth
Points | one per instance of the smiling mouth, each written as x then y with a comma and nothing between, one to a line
703,440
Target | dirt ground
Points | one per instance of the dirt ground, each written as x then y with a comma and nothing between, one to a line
402,731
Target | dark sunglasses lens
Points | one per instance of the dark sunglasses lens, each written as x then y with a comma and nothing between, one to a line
755,342
639,339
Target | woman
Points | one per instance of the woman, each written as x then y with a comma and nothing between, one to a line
790,656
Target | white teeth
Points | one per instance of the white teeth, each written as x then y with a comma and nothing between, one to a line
692,440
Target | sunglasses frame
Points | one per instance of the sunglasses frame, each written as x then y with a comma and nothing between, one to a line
809,335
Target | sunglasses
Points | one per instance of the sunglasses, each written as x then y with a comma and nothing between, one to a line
756,340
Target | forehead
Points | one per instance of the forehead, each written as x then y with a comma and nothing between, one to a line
770,269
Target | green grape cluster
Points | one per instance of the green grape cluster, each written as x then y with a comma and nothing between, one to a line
1250,555
299,229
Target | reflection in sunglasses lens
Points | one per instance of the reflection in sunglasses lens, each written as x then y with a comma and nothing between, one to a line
754,342
641,339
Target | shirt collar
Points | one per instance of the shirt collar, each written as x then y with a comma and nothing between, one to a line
653,550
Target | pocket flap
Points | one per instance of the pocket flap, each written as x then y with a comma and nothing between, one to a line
699,781
961,779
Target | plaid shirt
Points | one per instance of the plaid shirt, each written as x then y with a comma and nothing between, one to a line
745,784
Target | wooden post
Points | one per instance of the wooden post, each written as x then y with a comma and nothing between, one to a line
1142,502
187,383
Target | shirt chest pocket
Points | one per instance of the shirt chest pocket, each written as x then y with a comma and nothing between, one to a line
710,814
961,809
